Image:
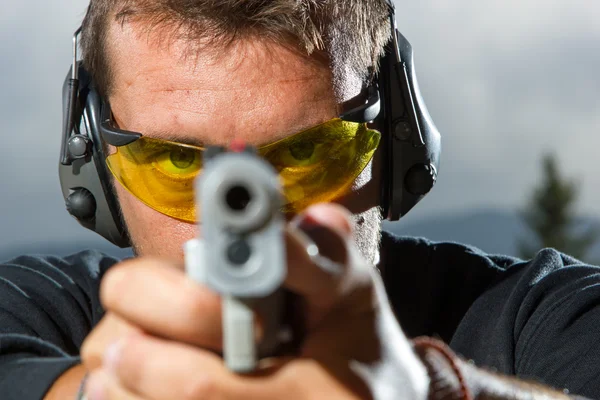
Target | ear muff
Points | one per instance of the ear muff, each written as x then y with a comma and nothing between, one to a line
84,178
411,144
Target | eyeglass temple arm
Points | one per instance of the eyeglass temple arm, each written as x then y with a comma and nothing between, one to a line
111,135
366,112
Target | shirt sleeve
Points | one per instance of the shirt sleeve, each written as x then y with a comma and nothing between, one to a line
557,327
48,305
540,320
537,320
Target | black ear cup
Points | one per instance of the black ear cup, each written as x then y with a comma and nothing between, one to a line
84,177
411,144
420,179
81,204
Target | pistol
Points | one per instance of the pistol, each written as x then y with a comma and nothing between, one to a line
240,251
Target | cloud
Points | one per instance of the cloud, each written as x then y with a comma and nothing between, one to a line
35,46
505,81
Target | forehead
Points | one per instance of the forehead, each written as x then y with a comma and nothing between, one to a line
251,90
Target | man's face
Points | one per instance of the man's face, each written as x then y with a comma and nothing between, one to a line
251,91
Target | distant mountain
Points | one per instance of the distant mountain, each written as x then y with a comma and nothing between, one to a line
494,231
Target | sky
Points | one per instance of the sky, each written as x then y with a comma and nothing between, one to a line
504,80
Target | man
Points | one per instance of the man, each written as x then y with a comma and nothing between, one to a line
276,75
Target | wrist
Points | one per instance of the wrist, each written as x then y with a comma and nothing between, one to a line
452,378
447,380
67,385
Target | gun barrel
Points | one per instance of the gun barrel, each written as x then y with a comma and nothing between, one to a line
241,254
242,225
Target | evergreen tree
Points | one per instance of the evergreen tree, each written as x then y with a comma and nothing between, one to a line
550,214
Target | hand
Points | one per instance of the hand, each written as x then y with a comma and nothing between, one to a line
110,329
353,347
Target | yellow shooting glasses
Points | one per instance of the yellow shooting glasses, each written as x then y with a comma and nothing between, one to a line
319,164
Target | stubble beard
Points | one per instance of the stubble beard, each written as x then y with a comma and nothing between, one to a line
367,234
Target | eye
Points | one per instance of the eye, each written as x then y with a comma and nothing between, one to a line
178,162
300,154
182,158
302,151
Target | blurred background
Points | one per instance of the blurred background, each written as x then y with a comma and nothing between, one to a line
512,85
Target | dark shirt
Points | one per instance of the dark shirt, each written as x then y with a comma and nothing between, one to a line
535,319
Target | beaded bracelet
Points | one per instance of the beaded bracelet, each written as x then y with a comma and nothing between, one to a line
80,394
446,378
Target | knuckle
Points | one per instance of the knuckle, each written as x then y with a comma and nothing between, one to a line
90,356
333,216
133,361
202,303
199,388
113,284
290,384
94,344
204,307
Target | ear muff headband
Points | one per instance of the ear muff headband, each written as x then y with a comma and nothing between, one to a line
411,153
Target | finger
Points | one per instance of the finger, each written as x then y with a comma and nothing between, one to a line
102,386
158,369
338,276
317,245
108,330
163,301
332,216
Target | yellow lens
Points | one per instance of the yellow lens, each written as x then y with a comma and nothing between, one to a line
159,173
316,165
321,164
